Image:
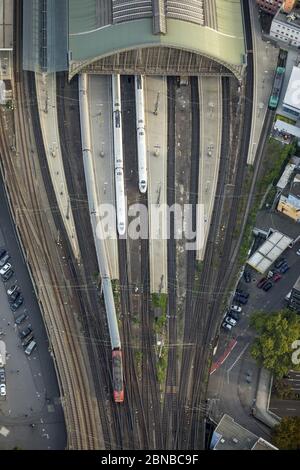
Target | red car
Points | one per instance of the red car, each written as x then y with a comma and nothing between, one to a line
277,277
262,282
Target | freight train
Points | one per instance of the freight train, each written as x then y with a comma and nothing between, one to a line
141,134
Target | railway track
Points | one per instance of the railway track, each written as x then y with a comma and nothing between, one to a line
137,408
204,304
95,330
208,322
169,406
197,318
227,253
83,431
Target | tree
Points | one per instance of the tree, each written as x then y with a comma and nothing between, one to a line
273,346
286,435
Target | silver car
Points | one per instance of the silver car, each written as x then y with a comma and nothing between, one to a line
5,268
231,321
235,308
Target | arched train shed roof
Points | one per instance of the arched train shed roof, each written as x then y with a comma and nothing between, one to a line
103,39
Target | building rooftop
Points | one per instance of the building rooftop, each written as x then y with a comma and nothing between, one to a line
261,444
229,435
6,24
286,175
297,284
292,96
269,251
293,18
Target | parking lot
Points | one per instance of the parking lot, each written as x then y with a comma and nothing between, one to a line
234,379
31,415
271,300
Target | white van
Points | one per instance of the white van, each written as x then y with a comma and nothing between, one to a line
31,346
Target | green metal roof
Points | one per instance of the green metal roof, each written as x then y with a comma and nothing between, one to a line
225,45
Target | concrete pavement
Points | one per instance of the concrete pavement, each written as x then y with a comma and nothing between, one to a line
47,106
210,97
100,112
265,57
238,386
32,393
156,131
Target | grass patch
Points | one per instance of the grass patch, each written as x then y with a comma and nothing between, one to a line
160,324
161,366
276,156
285,119
160,301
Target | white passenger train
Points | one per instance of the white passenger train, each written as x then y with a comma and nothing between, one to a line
141,134
118,155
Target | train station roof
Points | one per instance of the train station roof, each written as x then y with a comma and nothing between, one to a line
215,32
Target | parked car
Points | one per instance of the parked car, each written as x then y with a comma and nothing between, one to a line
298,252
268,286
236,308
31,346
2,375
5,277
17,303
5,268
242,293
4,259
280,262
25,332
240,299
14,297
277,277
2,252
21,318
231,321
27,340
284,268
234,315
226,326
262,282
2,390
247,276
12,289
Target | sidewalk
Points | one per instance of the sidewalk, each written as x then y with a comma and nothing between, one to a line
261,408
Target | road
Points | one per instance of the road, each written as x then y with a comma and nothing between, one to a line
33,395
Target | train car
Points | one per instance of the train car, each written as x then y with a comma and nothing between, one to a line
117,121
277,87
282,58
120,201
117,370
110,309
141,134
118,155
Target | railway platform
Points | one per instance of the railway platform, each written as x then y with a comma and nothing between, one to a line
210,98
46,98
100,106
156,129
265,57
